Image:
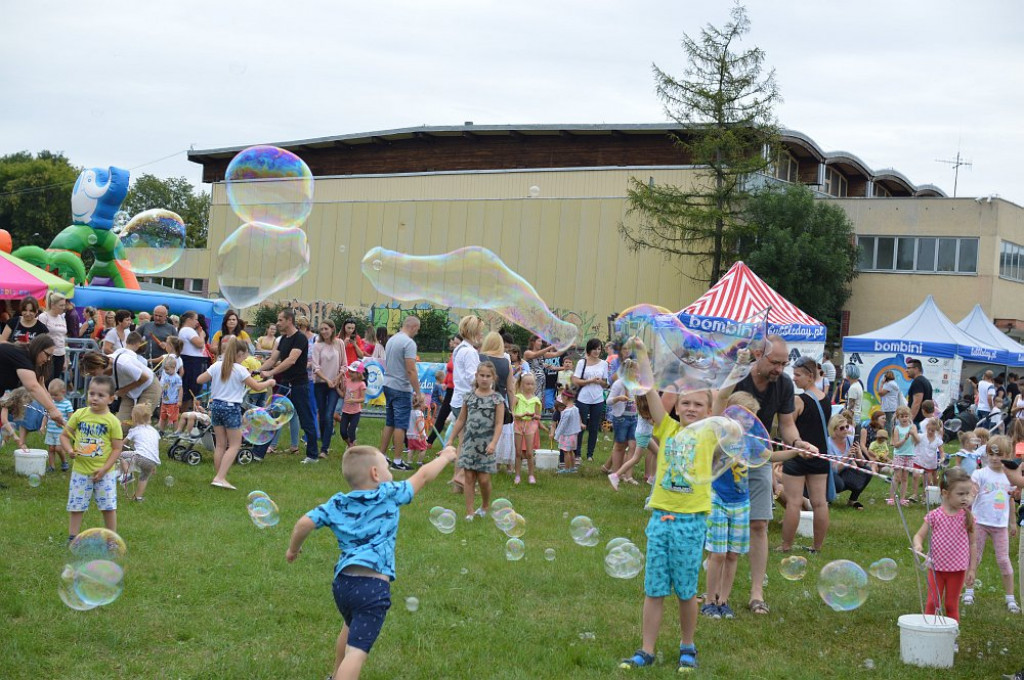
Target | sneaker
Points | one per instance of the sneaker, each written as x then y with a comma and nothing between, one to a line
257,459
310,461
64,467
517,480
480,512
968,598
726,611
687,658
469,518
1019,675
638,660
138,500
398,465
711,611
50,468
613,479
531,479
1013,607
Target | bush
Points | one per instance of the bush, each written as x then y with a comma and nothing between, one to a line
520,335
340,316
264,316
435,330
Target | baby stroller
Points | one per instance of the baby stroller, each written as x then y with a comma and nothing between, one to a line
183,447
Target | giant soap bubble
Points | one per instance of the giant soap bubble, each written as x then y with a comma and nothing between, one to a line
270,185
843,585
702,452
258,260
467,278
153,240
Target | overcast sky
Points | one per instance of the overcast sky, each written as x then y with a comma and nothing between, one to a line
898,83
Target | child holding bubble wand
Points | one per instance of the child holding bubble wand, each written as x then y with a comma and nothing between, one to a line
481,418
952,549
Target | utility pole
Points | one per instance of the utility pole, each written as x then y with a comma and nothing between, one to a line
957,164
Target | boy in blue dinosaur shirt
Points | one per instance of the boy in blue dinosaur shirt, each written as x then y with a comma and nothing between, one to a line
365,522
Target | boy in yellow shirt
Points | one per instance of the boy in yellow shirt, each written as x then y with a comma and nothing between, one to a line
93,439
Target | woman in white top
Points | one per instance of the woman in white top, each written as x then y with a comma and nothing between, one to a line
465,359
193,356
117,336
57,327
326,358
854,395
229,378
590,377
889,399
134,383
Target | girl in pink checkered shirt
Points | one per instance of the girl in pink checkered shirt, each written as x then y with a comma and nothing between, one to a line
952,543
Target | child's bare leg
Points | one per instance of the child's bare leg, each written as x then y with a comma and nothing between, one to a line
728,576
519,454
140,491
629,464
653,609
485,490
339,647
716,567
529,457
74,522
350,660
570,459
109,519
469,490
687,620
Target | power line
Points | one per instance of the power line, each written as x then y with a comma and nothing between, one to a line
47,187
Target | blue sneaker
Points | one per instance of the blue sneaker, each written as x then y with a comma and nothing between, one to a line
711,611
638,660
687,658
726,611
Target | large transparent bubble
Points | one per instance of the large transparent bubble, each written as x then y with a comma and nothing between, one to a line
623,560
66,591
258,427
270,185
676,359
281,409
583,531
153,241
843,585
757,448
258,260
264,513
98,544
701,453
467,278
99,582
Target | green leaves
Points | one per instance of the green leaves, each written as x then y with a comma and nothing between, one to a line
176,194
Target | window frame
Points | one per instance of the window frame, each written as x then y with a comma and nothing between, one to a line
896,259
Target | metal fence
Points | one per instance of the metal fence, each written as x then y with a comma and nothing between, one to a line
77,382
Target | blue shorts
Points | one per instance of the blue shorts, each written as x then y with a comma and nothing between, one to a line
363,602
624,429
642,440
226,414
675,547
399,408
729,527
82,489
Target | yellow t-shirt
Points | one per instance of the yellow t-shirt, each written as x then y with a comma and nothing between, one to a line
680,461
92,436
526,406
252,364
880,451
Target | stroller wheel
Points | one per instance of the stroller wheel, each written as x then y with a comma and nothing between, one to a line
244,456
193,457
176,451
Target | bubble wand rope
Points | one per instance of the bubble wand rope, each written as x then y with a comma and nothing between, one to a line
824,456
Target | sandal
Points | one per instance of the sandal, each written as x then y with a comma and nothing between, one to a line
904,502
293,450
856,504
758,607
810,550
638,660
687,658
890,501
780,549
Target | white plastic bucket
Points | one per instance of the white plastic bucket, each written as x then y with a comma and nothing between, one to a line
927,640
546,459
806,526
932,495
30,462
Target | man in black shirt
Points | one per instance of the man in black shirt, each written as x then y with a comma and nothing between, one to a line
287,365
920,390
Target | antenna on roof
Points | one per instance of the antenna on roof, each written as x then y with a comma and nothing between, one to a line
957,164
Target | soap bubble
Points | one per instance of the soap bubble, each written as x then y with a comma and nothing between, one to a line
445,522
270,185
504,519
793,568
549,554
463,571
516,526
98,544
66,591
468,278
258,260
121,219
253,495
702,452
500,504
264,513
978,584
616,542
99,582
34,480
756,449
435,513
869,664
583,531
169,481
341,249
624,561
281,410
843,585
565,515
682,359
884,569
954,424
514,549
257,426
534,191
412,603
153,241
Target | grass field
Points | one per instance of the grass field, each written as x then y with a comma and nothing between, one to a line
208,595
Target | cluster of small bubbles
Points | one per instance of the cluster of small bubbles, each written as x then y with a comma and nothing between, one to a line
443,519
623,559
549,554
262,510
153,241
412,603
884,569
583,531
169,481
843,585
587,636
793,568
34,480
120,221
514,549
94,577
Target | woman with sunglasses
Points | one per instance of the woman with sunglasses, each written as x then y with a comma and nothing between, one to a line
810,409
26,325
843,446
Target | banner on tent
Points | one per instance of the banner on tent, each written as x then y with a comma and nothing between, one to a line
789,331
942,372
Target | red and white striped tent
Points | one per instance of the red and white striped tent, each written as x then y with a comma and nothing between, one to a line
739,297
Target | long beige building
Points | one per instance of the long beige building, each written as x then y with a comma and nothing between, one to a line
549,200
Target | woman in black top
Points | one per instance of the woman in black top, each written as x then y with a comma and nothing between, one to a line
26,325
812,411
28,366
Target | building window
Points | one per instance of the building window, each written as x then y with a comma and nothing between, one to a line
786,167
881,192
930,255
1011,261
835,184
195,285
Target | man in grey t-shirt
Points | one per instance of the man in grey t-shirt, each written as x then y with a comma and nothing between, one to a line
155,332
401,388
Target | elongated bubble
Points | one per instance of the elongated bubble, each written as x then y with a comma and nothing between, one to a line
467,278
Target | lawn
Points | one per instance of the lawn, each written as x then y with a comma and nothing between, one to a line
208,595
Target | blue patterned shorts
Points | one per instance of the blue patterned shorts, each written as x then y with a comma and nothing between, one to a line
675,545
82,489
363,602
226,414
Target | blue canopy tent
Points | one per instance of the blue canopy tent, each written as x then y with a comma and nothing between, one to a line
977,324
